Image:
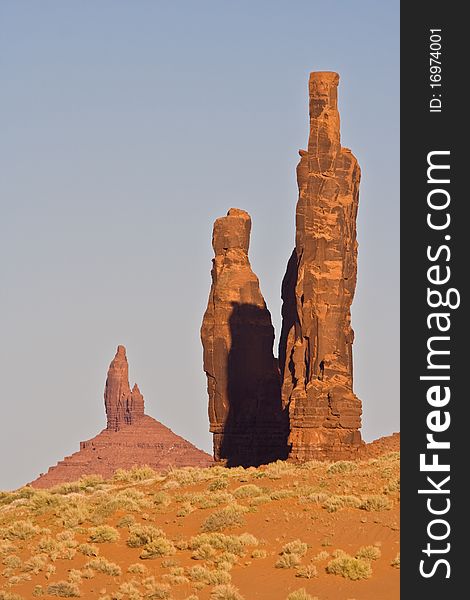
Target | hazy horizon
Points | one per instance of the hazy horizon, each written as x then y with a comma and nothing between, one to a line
128,128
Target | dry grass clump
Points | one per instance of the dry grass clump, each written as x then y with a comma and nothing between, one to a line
291,555
140,535
226,592
102,565
396,561
137,473
204,552
4,595
160,546
342,466
259,553
88,549
334,503
288,561
203,500
126,521
218,484
376,502
36,564
20,530
295,547
247,491
136,568
63,589
231,516
156,590
208,577
307,572
234,544
12,561
369,553
349,567
301,595
103,534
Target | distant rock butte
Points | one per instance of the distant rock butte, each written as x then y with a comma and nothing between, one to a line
253,399
130,438
243,383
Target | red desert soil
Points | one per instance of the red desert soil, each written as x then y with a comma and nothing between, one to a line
191,533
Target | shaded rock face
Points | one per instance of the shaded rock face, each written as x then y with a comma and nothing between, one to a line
246,417
123,405
315,352
130,438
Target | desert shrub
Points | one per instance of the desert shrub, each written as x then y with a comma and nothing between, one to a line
104,566
350,568
35,564
208,577
12,561
317,497
38,590
258,553
219,577
161,499
102,534
225,561
137,473
128,589
160,546
235,544
300,595
6,547
4,595
136,568
396,561
334,503
288,561
307,571
392,486
73,514
203,552
247,491
369,553
20,530
88,483
75,576
87,573
323,555
226,592
279,468
231,516
217,485
375,503
126,521
140,535
295,547
281,494
156,590
63,589
88,549
173,579
51,547
342,466
16,579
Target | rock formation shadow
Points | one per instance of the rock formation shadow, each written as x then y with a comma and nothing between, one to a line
256,427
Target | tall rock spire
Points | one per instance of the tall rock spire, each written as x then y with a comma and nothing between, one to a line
243,382
123,406
315,350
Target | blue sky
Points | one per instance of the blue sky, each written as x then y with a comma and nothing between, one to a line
127,128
